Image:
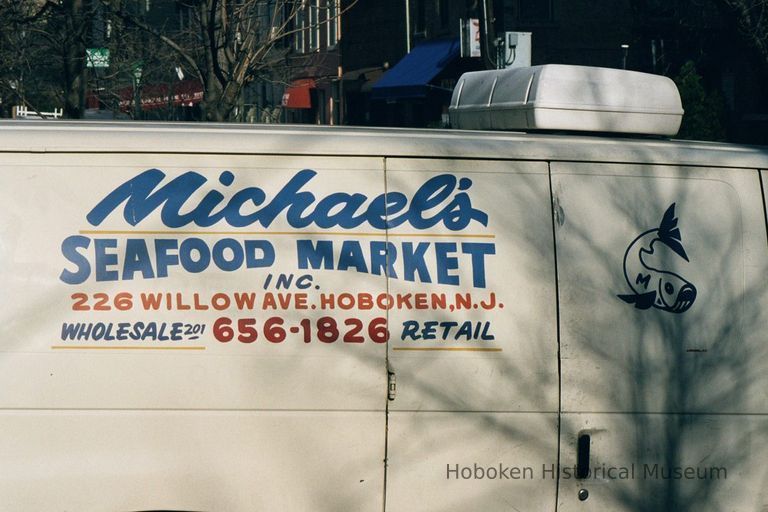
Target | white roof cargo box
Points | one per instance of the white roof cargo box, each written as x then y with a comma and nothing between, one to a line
561,97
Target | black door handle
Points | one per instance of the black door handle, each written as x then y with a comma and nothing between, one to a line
582,456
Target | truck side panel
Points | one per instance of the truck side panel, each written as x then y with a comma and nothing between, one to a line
474,421
172,335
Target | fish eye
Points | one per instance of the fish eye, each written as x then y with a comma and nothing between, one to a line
669,288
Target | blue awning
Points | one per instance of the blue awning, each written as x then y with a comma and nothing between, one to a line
411,76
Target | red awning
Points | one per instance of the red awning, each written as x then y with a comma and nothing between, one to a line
185,93
297,95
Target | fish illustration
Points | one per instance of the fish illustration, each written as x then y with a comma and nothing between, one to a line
654,287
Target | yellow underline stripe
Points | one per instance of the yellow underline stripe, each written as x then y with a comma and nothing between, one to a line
281,233
128,347
452,349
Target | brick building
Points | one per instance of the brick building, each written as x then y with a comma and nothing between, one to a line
646,35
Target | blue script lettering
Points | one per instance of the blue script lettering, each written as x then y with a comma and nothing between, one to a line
440,200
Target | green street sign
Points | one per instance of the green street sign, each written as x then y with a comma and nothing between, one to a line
97,57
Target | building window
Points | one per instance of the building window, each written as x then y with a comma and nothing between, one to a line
185,16
661,9
535,11
314,26
272,11
442,10
333,22
268,18
420,19
301,24
284,26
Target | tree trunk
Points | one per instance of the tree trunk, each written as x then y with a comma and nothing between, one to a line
219,103
74,60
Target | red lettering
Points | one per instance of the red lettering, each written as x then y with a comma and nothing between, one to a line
346,301
327,301
245,300
220,301
364,301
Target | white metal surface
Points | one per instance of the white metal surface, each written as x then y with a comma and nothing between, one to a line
677,381
296,425
115,137
561,97
202,420
96,460
456,461
489,399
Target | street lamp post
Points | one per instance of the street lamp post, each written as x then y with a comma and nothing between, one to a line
136,89
625,48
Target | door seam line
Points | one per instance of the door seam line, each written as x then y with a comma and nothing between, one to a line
557,323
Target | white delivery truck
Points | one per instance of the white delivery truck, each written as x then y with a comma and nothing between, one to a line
244,318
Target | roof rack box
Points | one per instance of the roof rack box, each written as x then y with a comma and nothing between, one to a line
563,97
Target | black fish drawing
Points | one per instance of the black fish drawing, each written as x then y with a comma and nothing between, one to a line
654,287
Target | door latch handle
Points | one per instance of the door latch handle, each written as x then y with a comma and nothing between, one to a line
582,456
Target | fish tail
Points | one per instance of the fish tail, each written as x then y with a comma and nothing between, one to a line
669,233
640,300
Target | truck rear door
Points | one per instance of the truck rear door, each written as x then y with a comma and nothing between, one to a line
663,313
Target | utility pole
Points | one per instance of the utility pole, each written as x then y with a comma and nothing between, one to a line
408,26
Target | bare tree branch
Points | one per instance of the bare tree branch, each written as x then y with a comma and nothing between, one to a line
752,16
233,42
138,23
